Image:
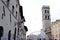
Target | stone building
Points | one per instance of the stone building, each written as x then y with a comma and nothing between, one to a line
12,21
55,29
46,20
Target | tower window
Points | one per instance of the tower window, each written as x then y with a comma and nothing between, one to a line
12,9
48,17
46,11
45,17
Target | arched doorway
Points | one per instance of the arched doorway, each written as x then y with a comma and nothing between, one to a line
1,32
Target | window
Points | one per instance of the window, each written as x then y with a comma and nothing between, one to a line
8,2
12,9
45,17
15,34
9,35
46,11
10,17
48,17
1,31
4,10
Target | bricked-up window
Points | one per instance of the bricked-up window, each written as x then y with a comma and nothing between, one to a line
9,35
12,9
3,10
8,2
10,17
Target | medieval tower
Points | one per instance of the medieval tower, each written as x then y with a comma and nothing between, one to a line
46,20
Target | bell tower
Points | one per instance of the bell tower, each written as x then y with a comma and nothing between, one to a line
46,17
46,20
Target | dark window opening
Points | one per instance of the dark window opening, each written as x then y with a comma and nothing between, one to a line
9,35
15,34
4,10
48,17
45,17
46,11
8,2
12,9
1,31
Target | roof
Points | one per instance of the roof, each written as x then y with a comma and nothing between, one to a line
45,7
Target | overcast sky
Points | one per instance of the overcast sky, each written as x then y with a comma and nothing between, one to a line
33,14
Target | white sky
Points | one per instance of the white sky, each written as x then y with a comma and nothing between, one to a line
33,14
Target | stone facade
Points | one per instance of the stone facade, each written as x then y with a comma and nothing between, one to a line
55,29
11,21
